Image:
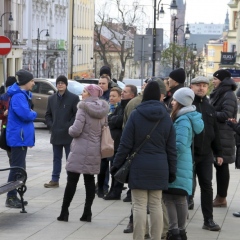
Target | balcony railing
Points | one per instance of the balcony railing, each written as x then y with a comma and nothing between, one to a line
13,36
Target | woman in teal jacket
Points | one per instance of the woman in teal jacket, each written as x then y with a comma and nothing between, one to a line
187,122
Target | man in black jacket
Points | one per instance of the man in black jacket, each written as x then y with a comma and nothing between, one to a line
206,145
115,122
60,115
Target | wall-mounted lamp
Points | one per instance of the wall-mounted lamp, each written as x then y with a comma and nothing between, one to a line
10,19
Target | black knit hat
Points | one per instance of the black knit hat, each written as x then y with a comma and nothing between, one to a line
24,77
222,74
62,78
10,81
151,92
178,75
106,70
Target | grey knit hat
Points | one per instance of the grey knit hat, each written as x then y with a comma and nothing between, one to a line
200,79
184,96
24,77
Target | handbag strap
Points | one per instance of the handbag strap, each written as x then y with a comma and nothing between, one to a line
146,138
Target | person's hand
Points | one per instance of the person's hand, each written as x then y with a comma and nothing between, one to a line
172,177
233,120
5,113
113,170
219,161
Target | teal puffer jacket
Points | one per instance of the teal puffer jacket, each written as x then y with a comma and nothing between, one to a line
188,123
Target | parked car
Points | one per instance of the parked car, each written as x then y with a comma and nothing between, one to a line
43,89
95,81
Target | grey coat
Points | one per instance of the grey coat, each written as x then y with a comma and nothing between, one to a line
60,116
85,155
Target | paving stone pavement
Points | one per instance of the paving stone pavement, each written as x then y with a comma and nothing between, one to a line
109,217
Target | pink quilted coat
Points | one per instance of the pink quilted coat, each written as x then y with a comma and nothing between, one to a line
85,156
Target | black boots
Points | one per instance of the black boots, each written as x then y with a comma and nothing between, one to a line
183,234
68,195
64,213
90,195
176,236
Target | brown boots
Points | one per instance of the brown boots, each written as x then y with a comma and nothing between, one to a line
219,202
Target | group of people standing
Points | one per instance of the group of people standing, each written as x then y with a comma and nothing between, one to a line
179,134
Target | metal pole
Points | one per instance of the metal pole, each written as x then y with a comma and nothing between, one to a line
184,57
142,61
4,72
174,40
38,39
154,38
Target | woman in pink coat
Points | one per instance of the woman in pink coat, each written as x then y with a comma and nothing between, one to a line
85,157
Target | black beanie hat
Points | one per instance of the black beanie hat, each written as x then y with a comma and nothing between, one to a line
178,75
222,74
105,70
62,78
10,81
24,77
151,92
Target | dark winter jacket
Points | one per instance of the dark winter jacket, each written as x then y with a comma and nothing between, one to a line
236,128
60,115
20,128
115,122
169,97
209,139
105,95
224,102
151,166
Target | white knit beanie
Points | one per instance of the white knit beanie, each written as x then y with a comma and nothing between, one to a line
184,96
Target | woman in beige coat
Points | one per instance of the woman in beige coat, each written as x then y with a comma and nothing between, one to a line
85,157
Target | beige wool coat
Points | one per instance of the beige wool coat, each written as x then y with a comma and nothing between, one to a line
85,156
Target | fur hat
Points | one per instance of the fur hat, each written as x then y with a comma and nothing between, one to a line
63,79
24,77
222,74
10,81
106,70
94,90
178,75
151,92
200,79
184,96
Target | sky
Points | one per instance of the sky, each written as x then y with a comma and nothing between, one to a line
206,11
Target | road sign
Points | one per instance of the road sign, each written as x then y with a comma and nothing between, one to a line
5,45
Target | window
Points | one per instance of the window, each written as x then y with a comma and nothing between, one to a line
44,88
211,64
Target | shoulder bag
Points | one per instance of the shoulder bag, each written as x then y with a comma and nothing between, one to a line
107,143
123,173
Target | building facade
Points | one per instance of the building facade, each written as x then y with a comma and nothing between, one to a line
45,56
81,39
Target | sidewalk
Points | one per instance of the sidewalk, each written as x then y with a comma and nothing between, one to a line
109,217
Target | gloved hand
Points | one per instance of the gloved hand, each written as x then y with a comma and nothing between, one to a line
230,124
113,170
172,177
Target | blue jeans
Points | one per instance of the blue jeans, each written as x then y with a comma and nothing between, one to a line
18,158
57,160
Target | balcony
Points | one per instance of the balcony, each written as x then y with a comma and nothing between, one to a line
13,36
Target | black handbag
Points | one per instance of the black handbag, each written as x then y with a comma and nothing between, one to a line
122,174
3,140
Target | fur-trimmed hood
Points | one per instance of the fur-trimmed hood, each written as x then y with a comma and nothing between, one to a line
95,107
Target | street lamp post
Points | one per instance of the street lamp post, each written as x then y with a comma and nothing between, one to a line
186,37
38,40
157,13
193,54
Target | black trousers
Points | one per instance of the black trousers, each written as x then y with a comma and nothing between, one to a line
203,170
222,177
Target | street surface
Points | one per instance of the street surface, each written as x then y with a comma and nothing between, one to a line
109,217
